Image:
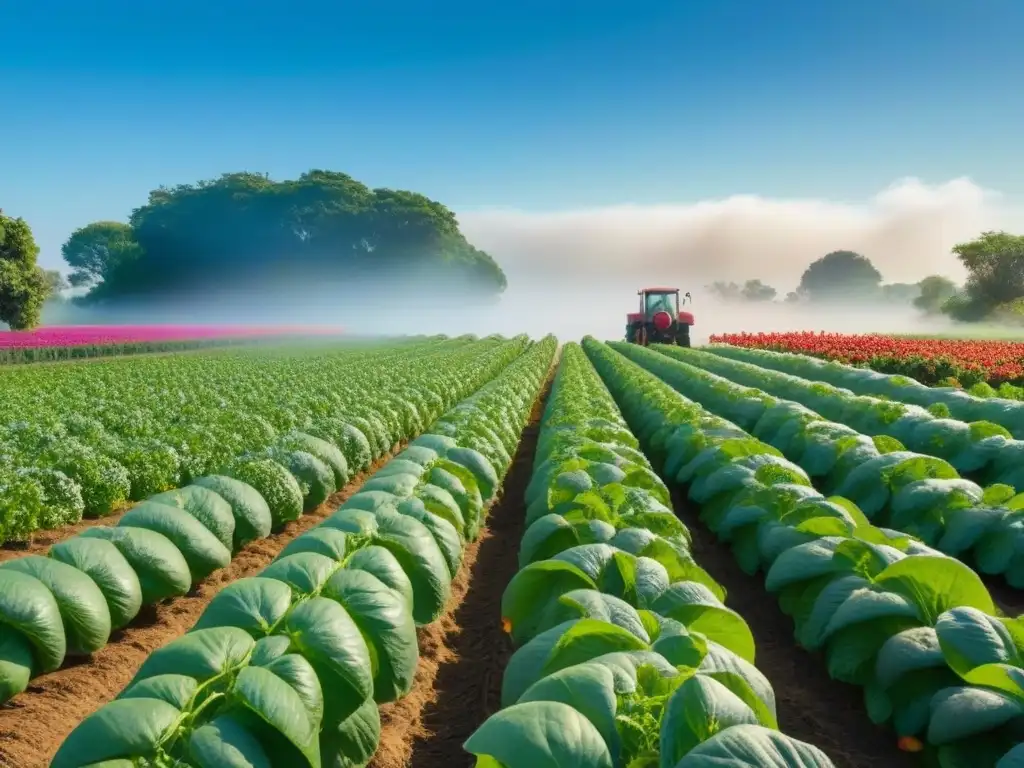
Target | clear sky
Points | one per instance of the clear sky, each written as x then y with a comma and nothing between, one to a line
533,104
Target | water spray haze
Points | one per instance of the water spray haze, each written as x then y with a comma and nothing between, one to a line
576,272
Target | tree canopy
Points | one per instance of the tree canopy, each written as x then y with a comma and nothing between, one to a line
24,286
995,267
245,228
935,291
840,274
750,291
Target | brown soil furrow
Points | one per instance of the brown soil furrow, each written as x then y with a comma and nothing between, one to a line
463,655
33,724
811,706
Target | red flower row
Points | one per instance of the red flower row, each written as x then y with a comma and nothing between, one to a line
929,360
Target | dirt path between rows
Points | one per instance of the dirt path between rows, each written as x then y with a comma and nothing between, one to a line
33,724
463,655
811,706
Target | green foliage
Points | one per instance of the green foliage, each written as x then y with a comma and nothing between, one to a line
935,291
995,267
96,250
840,274
247,229
24,286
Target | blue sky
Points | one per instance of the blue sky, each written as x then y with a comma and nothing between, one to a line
536,105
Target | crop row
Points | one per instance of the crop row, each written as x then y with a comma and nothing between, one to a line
980,449
84,440
626,653
67,604
288,668
862,381
915,493
915,628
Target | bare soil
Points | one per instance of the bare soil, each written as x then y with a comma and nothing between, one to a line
34,723
463,655
811,706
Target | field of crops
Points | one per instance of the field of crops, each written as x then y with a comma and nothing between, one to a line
78,342
495,552
964,362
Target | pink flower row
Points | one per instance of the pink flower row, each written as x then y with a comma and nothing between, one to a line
80,335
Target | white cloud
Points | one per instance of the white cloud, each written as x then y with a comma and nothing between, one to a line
907,230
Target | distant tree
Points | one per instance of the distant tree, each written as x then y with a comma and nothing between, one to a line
755,290
794,297
934,292
725,291
55,284
995,268
840,274
23,285
94,251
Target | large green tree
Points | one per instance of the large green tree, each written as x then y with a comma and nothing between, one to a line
23,284
995,268
840,274
245,228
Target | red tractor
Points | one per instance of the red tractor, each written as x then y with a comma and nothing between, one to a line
659,319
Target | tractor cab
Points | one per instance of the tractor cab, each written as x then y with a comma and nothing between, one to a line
660,320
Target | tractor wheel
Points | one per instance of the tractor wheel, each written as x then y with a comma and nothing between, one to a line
683,336
641,336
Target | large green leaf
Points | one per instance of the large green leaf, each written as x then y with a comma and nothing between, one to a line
588,688
123,728
970,638
754,746
386,625
532,588
323,632
255,604
699,708
226,743
293,733
935,585
539,734
202,654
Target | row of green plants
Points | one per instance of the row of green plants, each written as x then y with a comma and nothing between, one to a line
66,604
916,493
981,450
288,668
76,352
916,629
626,653
1007,413
85,440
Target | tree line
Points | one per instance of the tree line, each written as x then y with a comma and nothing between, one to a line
246,230
994,289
